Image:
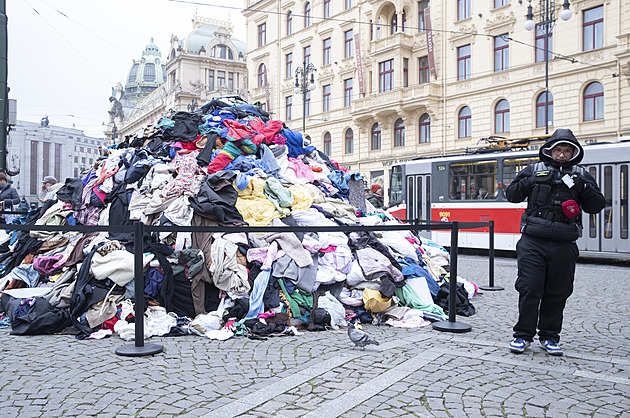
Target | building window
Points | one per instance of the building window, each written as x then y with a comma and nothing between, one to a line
133,74
593,31
76,159
464,123
501,53
404,21
288,106
326,98
405,72
423,70
307,103
502,117
499,3
594,102
326,58
422,6
327,144
326,9
347,43
262,34
393,23
463,62
149,72
543,42
289,23
399,133
386,76
540,109
378,28
289,64
307,55
349,141
376,137
33,173
307,15
348,4
425,129
220,79
463,9
262,73
211,80
231,81
347,92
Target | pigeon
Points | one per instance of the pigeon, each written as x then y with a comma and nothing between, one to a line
359,338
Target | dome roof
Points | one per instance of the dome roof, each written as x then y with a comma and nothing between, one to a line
145,74
209,32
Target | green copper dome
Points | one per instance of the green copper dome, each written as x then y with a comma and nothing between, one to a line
145,74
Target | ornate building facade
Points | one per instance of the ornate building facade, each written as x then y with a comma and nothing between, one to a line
208,62
400,79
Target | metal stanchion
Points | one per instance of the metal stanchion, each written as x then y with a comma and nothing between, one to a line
451,325
139,348
491,285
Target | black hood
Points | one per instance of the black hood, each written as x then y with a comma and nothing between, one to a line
561,136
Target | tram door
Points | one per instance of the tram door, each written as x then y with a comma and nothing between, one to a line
607,231
419,199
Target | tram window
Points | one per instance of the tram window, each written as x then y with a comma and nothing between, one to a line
623,207
592,218
608,212
475,180
512,167
396,186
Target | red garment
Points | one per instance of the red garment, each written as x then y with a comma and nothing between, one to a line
219,162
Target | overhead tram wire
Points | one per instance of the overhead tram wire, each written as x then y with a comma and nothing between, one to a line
386,25
71,45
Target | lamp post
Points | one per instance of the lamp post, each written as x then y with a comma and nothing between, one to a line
547,19
303,86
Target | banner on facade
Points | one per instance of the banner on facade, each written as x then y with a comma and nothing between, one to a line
427,24
357,48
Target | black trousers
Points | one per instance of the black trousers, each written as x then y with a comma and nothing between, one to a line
545,282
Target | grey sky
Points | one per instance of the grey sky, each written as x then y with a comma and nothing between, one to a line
65,67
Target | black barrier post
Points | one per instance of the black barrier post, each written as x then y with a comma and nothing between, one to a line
451,325
491,285
139,348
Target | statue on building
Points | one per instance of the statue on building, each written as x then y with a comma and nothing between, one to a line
116,108
44,122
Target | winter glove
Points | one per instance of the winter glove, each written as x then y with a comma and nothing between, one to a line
579,183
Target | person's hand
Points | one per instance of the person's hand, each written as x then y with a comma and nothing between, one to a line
579,182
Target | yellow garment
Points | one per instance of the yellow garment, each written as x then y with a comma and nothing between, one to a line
302,199
374,301
55,277
316,194
254,206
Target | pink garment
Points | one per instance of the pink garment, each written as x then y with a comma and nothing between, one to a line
188,178
265,314
301,170
329,249
279,139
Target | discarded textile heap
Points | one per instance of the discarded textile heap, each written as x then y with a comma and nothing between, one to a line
227,164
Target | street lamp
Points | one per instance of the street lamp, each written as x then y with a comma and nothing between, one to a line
303,86
547,19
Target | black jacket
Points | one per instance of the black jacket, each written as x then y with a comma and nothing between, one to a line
542,185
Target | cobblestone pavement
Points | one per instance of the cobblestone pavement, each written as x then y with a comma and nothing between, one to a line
417,372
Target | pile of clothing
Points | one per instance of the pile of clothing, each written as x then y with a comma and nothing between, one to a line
227,164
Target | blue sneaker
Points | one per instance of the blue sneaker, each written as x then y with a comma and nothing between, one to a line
519,345
551,347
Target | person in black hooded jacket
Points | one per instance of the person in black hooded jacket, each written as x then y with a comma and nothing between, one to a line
557,191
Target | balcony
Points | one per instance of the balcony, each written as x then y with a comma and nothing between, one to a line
406,99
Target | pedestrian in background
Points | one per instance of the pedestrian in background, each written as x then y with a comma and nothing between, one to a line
23,206
8,195
49,189
557,190
376,197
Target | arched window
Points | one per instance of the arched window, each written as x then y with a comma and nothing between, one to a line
464,123
502,117
149,72
327,144
262,75
393,24
307,14
540,109
594,102
133,74
404,21
379,22
376,137
289,22
349,141
425,129
399,133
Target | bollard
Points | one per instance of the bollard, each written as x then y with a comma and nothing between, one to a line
451,325
139,348
491,285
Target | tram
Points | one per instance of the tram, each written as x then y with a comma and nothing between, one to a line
471,188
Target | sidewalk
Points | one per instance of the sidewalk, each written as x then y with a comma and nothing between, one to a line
416,372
